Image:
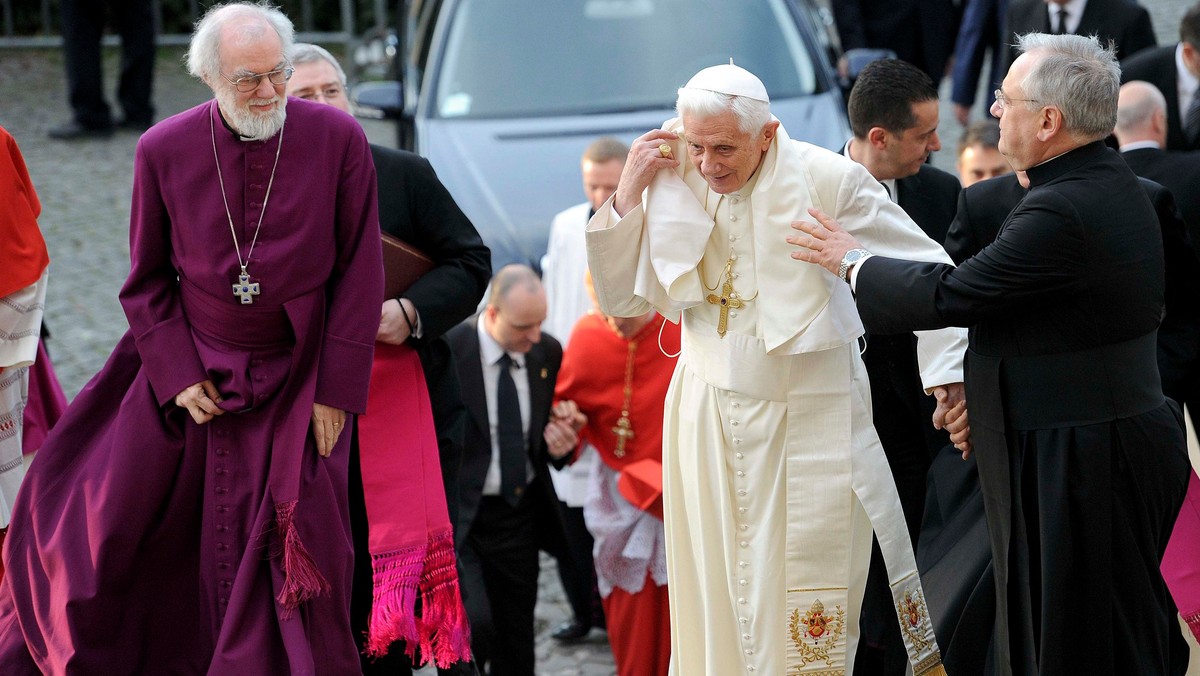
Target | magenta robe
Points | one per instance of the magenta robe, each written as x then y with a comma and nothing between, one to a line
145,543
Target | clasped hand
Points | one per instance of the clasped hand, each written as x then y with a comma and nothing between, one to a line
202,402
562,432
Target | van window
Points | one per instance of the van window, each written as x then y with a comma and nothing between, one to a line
529,58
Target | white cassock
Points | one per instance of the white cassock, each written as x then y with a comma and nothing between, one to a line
773,474
567,300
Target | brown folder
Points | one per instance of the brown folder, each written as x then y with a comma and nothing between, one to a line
403,264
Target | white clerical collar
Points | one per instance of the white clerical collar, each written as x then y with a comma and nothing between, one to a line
490,350
1074,14
1139,145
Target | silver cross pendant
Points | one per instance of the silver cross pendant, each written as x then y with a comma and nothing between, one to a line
245,289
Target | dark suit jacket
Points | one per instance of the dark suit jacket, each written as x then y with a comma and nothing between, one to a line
1157,66
1180,172
1123,21
415,207
541,368
982,29
920,32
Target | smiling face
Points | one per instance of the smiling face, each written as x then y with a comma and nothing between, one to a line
724,154
258,113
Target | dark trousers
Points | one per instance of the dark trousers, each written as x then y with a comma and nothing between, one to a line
82,27
499,562
576,569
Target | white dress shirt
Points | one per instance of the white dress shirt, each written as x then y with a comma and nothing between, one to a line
489,353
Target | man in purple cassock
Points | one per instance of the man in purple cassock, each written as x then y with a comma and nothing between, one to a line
189,514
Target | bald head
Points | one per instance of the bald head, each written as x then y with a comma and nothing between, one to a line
516,308
1141,114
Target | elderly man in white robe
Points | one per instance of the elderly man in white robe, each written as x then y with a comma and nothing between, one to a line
773,475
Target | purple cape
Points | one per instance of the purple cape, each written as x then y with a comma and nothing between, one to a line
144,543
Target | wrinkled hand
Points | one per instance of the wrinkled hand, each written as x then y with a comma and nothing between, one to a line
951,415
561,439
568,412
328,423
643,162
201,400
823,243
393,329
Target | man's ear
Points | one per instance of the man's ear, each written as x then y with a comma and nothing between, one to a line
1052,123
768,133
878,137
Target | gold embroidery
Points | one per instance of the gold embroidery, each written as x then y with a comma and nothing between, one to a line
914,619
825,630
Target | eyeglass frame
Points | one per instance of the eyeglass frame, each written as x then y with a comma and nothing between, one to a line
1003,99
287,71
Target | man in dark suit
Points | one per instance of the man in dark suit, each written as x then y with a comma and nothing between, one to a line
982,32
920,32
415,207
1167,68
1141,131
507,504
1081,459
1124,22
894,115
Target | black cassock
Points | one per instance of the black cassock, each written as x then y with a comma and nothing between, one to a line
1082,461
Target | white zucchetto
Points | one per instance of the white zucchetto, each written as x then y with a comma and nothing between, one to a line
730,80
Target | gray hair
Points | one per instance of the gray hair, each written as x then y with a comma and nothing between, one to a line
204,55
1077,75
306,52
1137,109
751,115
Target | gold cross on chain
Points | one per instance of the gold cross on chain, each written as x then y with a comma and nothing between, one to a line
624,431
728,300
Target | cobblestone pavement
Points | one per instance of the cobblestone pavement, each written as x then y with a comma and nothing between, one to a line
85,189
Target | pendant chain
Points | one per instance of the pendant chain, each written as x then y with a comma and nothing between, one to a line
212,125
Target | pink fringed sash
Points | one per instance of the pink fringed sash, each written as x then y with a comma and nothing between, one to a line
1181,563
410,538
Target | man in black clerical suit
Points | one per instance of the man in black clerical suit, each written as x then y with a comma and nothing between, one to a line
507,506
1081,458
893,112
1163,67
415,207
1124,22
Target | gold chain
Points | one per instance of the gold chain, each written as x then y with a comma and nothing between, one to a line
624,427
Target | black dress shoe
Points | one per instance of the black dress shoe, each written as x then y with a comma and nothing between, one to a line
569,632
73,130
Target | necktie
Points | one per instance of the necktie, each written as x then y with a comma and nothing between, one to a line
1191,122
1062,22
511,438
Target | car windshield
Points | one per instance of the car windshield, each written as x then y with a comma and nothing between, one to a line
528,58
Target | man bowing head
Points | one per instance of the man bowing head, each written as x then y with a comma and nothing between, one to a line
770,400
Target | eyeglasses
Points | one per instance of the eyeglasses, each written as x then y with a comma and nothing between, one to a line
1003,99
248,83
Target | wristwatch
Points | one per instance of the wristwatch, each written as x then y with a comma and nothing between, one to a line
852,256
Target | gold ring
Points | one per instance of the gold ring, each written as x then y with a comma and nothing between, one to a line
337,424
664,149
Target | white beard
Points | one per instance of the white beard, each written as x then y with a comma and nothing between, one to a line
251,125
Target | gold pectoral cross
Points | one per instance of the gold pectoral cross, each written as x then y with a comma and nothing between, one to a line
624,431
728,300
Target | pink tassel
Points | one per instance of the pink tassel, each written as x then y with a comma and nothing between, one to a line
445,630
301,579
393,606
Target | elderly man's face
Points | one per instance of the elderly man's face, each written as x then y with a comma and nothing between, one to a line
516,324
724,154
1020,120
979,163
318,81
260,112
